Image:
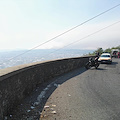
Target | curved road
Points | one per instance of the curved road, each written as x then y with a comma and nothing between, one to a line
88,95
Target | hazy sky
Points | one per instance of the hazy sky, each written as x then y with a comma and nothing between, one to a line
25,24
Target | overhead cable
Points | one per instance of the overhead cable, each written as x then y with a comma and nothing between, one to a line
85,37
66,31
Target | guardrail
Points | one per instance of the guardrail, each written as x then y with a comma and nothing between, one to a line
19,81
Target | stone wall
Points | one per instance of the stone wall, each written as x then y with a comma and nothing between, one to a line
17,82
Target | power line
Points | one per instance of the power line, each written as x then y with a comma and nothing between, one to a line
65,32
75,27
84,37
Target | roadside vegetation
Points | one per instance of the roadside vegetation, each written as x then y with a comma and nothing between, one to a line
108,50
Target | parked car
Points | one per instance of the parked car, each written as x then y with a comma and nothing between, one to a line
105,58
115,53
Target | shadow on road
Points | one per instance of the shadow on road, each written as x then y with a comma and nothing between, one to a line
93,68
56,82
32,106
114,63
100,69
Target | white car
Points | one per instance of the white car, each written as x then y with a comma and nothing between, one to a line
105,58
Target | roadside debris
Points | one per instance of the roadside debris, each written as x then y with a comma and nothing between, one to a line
53,105
5,118
54,112
56,85
69,95
32,107
28,110
46,106
48,111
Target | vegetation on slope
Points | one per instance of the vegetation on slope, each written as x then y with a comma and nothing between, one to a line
108,50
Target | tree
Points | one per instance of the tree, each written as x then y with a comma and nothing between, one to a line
118,47
108,50
100,50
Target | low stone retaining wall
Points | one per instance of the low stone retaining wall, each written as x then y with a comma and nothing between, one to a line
17,82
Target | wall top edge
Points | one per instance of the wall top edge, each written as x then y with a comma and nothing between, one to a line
29,65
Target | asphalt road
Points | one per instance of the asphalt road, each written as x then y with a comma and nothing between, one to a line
87,95
78,95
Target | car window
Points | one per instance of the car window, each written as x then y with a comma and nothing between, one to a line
105,55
